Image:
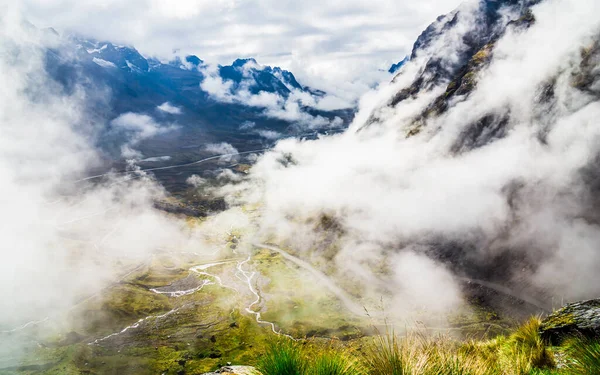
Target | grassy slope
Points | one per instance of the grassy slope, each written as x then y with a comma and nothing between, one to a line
210,327
521,353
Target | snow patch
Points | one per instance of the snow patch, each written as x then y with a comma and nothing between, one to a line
96,50
104,63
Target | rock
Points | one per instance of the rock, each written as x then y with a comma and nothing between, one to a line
575,319
234,370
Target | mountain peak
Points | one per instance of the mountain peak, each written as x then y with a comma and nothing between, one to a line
241,62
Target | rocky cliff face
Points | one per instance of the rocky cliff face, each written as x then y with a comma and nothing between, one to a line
454,48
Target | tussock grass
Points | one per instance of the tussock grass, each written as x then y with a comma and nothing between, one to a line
334,363
521,353
583,356
288,357
390,355
524,351
283,357
417,354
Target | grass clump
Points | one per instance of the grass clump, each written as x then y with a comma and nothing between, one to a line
334,363
288,357
390,355
283,357
583,356
417,354
524,352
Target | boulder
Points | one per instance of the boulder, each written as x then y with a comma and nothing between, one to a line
575,319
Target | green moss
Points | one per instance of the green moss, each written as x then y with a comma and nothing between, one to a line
481,56
558,321
452,86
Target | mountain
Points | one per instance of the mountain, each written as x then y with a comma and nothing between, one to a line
242,73
491,81
451,52
248,73
172,93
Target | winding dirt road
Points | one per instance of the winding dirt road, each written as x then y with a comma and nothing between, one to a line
356,309
325,280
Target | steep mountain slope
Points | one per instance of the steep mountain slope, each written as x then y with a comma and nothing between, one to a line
478,163
457,45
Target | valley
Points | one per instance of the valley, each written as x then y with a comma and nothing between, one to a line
310,214
193,312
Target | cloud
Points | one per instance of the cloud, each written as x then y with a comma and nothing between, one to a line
195,181
268,134
137,127
168,108
343,48
228,151
411,202
229,176
221,148
65,239
292,108
247,125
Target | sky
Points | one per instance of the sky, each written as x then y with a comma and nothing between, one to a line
335,44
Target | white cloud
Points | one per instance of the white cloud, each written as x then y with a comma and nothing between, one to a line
333,45
289,108
400,199
228,151
268,134
195,181
221,148
215,86
169,108
65,239
229,176
247,125
137,127
60,239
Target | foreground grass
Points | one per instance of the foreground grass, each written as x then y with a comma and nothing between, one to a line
288,357
583,357
521,353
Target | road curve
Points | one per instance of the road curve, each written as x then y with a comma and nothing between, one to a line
173,166
325,280
356,309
